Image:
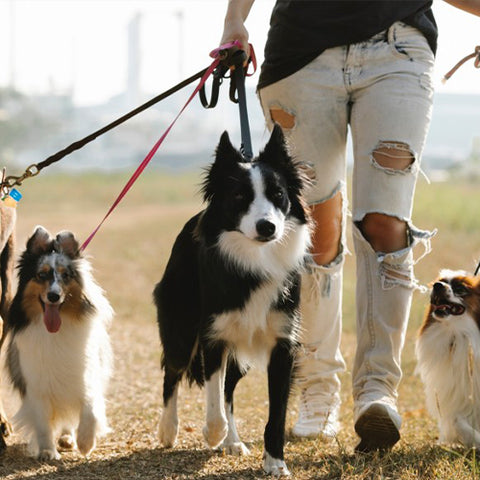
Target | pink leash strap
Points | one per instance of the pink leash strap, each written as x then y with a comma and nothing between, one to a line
152,152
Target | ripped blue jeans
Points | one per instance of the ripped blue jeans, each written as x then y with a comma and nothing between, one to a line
380,89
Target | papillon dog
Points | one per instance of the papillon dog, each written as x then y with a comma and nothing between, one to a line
59,356
229,295
448,353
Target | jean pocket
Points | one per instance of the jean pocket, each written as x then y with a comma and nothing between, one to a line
408,43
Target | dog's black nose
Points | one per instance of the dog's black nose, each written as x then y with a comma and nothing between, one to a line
438,287
265,228
53,297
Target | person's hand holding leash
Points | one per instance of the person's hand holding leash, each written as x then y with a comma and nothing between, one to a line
234,27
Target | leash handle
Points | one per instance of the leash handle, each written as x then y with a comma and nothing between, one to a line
231,57
476,63
150,154
222,51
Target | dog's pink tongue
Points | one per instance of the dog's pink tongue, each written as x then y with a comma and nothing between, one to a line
52,318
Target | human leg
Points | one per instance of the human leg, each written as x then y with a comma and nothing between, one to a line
391,106
320,361
312,109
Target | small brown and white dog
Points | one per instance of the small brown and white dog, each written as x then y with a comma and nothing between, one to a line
58,350
448,353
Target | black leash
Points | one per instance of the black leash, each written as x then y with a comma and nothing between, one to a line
239,75
35,168
233,61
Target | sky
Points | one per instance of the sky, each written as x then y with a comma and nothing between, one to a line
80,46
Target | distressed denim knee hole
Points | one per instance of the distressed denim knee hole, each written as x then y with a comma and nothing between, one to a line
329,217
397,268
385,233
285,119
393,157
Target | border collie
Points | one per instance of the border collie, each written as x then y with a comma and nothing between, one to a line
229,296
448,352
59,356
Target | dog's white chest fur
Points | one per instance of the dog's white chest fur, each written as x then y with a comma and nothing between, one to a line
66,367
252,331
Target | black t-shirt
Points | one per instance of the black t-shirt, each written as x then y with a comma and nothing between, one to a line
302,29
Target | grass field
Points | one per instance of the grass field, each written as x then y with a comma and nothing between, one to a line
129,254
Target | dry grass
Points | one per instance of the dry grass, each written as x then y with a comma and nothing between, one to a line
129,254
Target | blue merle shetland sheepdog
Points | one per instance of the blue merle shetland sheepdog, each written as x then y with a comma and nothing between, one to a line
58,350
229,296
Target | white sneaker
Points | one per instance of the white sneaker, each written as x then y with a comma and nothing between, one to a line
378,426
318,414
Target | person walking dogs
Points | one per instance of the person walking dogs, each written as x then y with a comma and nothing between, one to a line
364,65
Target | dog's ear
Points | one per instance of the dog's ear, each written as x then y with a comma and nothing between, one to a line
275,150
225,149
40,242
67,243
226,153
226,156
277,156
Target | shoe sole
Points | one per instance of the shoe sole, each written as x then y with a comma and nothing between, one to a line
376,430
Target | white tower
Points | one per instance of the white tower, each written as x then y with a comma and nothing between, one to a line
133,66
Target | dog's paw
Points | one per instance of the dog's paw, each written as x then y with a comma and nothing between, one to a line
66,442
5,427
46,454
5,431
215,432
167,431
86,441
275,466
237,449
86,444
3,443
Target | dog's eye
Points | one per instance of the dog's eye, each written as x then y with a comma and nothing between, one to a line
42,276
460,290
238,196
278,194
66,276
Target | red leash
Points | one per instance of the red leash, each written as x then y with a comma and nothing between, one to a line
150,154
218,58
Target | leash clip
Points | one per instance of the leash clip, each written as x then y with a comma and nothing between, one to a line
12,180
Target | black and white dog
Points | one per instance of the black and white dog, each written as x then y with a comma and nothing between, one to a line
230,293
